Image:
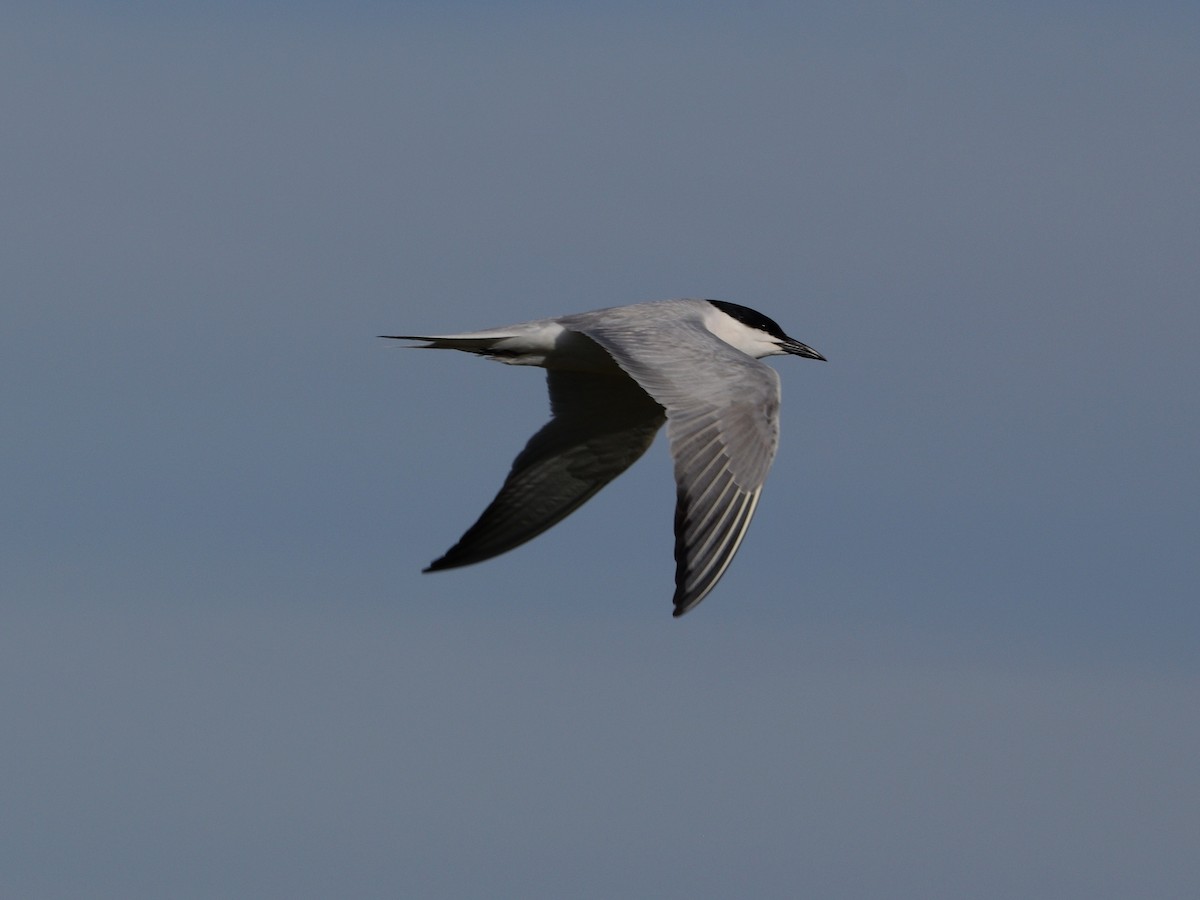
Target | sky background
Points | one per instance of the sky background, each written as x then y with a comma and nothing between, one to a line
957,653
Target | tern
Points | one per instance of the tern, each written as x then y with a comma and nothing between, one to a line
615,376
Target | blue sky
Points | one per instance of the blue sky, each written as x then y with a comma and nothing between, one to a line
956,655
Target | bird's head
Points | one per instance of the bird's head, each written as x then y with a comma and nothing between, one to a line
753,333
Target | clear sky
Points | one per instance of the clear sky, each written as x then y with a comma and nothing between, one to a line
957,654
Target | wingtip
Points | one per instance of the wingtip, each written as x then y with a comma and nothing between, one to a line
684,605
453,559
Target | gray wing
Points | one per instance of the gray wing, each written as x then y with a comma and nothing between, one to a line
723,423
600,425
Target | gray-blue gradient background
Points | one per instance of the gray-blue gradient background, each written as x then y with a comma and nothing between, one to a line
957,654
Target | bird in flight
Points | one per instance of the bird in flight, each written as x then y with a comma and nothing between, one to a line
615,376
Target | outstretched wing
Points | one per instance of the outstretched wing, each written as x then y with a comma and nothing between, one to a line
722,410
600,425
